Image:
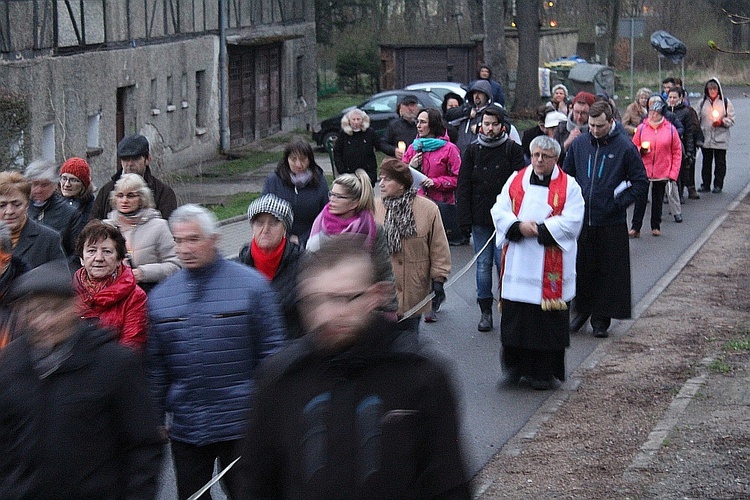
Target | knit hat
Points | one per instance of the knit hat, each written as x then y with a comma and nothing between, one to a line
78,167
272,204
133,146
51,278
657,103
398,171
584,97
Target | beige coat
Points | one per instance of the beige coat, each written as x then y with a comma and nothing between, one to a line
423,257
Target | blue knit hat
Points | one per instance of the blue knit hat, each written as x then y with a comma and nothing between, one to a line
272,204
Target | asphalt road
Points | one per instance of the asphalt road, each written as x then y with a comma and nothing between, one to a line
492,412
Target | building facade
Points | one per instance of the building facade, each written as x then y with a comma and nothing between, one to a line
94,71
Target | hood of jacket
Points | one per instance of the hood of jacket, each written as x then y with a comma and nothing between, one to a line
347,128
705,89
483,86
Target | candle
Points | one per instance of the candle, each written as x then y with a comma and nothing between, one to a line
715,114
646,145
401,146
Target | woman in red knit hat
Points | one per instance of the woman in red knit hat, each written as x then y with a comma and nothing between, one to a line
76,187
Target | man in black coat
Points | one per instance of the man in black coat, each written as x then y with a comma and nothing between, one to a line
485,167
134,157
75,415
355,408
404,128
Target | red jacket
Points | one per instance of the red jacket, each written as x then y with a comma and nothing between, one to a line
120,306
665,155
442,166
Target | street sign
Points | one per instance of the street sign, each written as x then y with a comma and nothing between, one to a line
631,26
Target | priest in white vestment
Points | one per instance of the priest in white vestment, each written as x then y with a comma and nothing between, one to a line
538,216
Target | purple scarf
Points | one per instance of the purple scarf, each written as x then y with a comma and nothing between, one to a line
328,224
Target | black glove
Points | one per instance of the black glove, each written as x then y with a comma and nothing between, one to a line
439,297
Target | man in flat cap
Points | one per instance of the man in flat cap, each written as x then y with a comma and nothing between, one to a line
134,156
76,420
404,128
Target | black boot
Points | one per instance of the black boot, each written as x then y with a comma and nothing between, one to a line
485,323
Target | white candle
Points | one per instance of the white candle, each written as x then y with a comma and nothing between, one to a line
646,145
401,146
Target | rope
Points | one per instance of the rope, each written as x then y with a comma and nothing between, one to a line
449,283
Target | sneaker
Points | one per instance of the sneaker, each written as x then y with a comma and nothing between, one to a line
430,317
656,232
716,190
678,218
704,189
600,333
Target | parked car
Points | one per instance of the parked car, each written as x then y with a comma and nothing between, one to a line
439,88
381,108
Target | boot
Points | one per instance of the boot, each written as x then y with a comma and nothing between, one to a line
693,194
485,323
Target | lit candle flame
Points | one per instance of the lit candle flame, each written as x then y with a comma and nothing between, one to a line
401,146
646,145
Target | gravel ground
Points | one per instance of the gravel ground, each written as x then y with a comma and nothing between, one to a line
631,428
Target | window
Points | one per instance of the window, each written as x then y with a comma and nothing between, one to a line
48,142
154,94
299,76
92,132
200,98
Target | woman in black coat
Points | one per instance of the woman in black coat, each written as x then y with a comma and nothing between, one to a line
356,144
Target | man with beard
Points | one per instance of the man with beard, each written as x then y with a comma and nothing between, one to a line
355,408
485,167
404,128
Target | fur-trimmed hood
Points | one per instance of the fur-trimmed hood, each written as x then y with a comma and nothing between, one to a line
348,128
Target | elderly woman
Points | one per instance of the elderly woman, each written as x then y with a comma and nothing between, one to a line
350,211
559,100
106,286
150,247
420,256
34,243
636,111
440,161
274,255
299,181
76,187
48,207
356,144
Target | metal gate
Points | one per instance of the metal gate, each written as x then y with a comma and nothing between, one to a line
254,92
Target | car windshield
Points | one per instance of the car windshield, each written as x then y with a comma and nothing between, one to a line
385,104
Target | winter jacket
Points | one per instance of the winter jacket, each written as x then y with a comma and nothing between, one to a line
442,166
16,267
378,420
423,258
164,196
120,306
151,247
484,172
400,130
86,430
688,119
715,137
57,214
210,327
38,244
665,152
306,202
284,283
600,166
353,150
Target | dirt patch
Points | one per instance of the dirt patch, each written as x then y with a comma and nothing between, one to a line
587,448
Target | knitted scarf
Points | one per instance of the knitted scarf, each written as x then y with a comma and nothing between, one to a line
492,142
428,144
267,261
328,224
399,219
552,286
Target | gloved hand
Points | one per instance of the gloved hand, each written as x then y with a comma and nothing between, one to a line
439,297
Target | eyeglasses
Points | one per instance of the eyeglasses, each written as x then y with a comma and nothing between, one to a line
338,196
315,300
543,156
73,180
129,196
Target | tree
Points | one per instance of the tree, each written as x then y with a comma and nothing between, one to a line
494,41
527,77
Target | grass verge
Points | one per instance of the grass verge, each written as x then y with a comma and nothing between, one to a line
235,204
